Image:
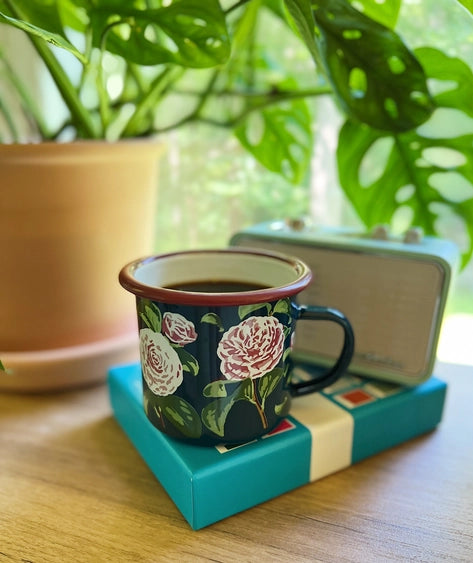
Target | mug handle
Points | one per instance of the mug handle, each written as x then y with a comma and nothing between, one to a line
314,313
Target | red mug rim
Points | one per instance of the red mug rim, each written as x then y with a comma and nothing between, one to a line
302,273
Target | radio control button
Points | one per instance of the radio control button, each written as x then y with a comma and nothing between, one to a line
296,224
414,235
380,232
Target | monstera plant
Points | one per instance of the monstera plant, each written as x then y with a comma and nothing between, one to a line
182,61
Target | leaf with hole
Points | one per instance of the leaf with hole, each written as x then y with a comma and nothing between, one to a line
376,79
421,170
386,12
280,137
190,33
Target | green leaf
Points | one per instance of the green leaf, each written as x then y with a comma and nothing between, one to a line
213,319
44,16
216,389
376,79
280,137
452,79
182,415
190,33
73,14
385,13
145,320
245,310
468,4
189,363
2,367
282,408
283,306
153,314
53,38
214,415
268,383
288,351
303,20
428,170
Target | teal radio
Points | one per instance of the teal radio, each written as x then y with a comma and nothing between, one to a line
393,289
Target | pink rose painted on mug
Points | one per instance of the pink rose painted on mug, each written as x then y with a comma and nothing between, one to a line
178,329
252,348
161,366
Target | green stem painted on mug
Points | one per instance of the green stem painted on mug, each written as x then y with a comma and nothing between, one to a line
257,404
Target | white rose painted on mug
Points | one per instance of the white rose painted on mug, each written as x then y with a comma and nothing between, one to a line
251,348
162,368
178,329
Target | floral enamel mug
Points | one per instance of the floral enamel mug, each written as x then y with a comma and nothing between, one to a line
216,329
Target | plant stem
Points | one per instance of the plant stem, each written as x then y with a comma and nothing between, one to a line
27,102
236,6
268,99
147,104
9,121
264,420
80,115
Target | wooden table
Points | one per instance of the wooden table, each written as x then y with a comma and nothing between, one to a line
73,489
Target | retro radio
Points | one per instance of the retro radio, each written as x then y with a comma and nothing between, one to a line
393,289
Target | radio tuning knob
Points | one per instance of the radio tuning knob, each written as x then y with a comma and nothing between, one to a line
296,224
413,235
380,232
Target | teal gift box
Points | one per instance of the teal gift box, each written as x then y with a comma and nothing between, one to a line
325,432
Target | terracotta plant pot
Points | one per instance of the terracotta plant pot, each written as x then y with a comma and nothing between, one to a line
71,215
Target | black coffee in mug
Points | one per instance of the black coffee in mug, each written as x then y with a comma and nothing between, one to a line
216,286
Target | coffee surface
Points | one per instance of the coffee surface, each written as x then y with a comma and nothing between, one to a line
216,286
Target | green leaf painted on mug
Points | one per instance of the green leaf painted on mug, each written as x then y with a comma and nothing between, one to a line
188,361
145,320
268,382
214,415
283,306
245,310
213,319
217,389
287,352
181,415
282,408
154,316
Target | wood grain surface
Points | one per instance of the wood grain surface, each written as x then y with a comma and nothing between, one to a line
73,489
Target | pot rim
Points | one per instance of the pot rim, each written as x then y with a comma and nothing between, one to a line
90,149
